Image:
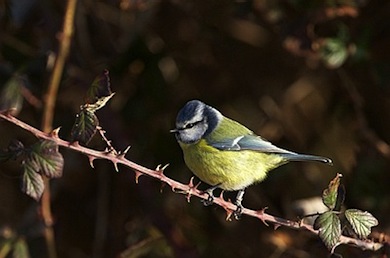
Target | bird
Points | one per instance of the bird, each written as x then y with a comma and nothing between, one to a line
226,154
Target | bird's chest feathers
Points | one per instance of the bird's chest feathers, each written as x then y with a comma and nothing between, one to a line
233,170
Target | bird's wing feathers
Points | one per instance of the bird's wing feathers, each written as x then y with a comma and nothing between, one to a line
247,142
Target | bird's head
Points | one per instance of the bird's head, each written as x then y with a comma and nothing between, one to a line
195,121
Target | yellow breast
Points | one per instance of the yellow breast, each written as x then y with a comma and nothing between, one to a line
231,170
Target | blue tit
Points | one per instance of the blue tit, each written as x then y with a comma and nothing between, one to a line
225,154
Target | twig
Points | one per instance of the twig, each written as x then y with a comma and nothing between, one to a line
48,114
65,42
186,189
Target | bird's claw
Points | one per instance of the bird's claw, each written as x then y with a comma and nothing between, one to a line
210,195
238,212
209,200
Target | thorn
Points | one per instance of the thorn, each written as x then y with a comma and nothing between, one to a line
334,247
160,169
188,197
55,132
165,166
191,188
75,144
122,154
221,194
191,184
127,149
229,214
91,159
260,214
115,166
137,175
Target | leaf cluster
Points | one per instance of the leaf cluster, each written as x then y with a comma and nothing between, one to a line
86,123
43,158
38,160
332,223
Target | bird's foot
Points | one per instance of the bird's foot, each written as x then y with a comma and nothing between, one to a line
210,195
209,200
238,212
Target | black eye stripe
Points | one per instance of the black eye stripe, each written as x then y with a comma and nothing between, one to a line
190,125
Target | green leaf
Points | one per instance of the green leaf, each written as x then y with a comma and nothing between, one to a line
20,249
329,227
85,126
50,161
329,195
333,52
11,97
32,183
361,221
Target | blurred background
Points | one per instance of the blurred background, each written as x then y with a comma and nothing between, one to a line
310,76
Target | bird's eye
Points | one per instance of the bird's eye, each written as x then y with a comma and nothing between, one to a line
188,126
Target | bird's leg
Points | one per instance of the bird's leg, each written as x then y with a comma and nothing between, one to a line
240,196
210,195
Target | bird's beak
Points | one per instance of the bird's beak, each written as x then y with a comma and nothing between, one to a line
174,130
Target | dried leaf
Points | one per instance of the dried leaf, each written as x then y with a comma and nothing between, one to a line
330,194
100,87
329,226
361,221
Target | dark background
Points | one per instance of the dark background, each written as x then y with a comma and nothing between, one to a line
310,76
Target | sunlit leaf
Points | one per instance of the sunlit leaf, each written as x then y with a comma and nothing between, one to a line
50,161
32,182
100,102
329,227
330,194
20,249
11,97
85,126
333,52
100,87
361,221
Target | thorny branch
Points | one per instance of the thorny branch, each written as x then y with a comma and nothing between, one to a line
177,187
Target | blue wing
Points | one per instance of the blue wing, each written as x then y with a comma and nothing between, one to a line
256,143
248,142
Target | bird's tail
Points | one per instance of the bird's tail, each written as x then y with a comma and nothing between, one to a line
303,157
